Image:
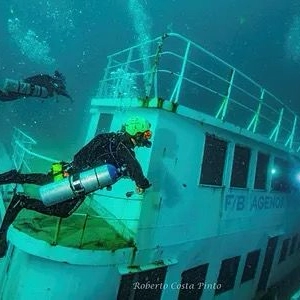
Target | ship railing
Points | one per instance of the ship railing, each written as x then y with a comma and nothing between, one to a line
23,155
174,68
21,145
22,150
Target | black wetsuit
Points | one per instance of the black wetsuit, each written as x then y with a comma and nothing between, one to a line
53,84
107,148
111,148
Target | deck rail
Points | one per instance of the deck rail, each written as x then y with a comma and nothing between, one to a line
22,150
186,74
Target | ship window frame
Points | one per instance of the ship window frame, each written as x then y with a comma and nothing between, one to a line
104,123
240,175
284,250
293,244
227,274
261,171
250,266
128,284
280,179
212,166
193,278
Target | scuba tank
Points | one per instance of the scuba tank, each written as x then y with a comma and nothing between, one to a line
24,88
78,184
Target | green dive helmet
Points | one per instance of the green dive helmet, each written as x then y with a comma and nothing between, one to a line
135,125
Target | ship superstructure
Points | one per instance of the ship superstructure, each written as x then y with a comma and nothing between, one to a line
221,219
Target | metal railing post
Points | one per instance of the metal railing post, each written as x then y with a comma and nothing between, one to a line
290,139
223,108
176,91
254,120
104,81
275,131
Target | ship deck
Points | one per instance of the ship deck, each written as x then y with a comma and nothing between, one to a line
78,231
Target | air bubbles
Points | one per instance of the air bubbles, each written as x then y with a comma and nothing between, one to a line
292,40
142,26
29,43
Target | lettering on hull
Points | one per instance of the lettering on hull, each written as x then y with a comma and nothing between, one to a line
252,203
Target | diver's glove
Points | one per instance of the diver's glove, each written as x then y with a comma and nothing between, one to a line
63,93
139,190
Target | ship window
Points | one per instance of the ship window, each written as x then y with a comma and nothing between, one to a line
142,285
240,167
267,263
250,265
261,171
280,176
213,161
284,250
226,278
193,283
104,123
293,244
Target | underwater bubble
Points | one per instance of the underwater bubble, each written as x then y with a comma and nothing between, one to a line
29,43
292,40
142,25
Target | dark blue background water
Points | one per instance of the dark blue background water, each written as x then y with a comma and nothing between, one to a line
248,34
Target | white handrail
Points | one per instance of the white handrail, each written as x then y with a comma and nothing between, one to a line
189,75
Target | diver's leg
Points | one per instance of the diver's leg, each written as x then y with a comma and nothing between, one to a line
20,201
13,176
62,210
4,96
16,205
7,96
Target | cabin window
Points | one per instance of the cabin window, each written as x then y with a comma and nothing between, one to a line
250,265
293,244
213,161
280,176
104,123
241,160
261,173
192,283
136,285
284,250
227,274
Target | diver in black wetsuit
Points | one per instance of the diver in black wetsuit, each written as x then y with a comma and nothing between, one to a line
40,86
116,149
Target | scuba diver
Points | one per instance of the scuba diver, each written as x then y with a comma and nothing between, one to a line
115,149
40,86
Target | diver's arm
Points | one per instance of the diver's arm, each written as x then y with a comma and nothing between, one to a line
133,167
64,93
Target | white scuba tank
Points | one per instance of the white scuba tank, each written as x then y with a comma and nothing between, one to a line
24,88
78,184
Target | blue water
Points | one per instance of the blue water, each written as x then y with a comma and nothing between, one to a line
261,38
